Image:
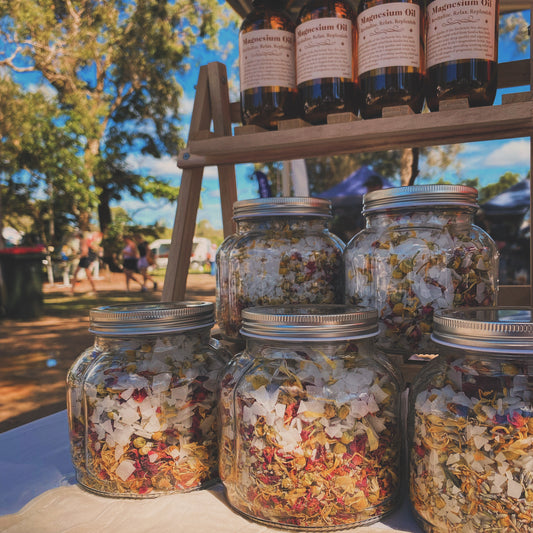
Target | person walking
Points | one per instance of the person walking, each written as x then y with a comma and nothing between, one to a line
144,261
130,256
87,257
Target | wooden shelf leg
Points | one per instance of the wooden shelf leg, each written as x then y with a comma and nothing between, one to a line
179,255
221,111
211,103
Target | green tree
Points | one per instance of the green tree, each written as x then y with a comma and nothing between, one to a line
493,189
205,229
515,26
41,173
115,66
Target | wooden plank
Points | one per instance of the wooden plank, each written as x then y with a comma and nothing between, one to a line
220,107
513,98
513,74
514,295
292,123
219,98
201,135
179,255
337,118
235,110
454,103
189,197
396,111
248,130
426,129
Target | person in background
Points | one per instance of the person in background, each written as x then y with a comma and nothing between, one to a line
130,256
144,261
212,258
87,258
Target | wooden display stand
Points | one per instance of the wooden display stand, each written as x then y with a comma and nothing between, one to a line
454,123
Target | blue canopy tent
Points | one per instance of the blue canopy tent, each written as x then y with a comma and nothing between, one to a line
514,201
347,200
350,191
504,216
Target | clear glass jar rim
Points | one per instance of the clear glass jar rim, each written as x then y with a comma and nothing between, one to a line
310,322
420,196
147,318
283,206
488,329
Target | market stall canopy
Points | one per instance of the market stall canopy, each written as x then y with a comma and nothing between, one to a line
243,7
351,190
514,201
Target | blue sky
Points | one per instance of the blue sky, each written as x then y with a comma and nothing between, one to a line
485,160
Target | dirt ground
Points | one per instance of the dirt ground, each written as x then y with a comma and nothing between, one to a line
35,355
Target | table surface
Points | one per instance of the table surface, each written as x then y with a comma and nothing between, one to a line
38,493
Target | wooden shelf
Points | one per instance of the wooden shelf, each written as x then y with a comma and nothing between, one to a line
427,129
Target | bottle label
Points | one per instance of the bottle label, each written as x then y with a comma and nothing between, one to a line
461,29
266,59
389,36
324,49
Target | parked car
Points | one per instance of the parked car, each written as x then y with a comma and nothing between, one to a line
199,254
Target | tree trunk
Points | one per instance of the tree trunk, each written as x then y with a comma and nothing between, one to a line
409,166
104,211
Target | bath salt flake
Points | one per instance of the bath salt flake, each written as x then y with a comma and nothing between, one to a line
125,469
126,394
161,382
514,489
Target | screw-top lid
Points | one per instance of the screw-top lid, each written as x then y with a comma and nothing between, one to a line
420,196
284,206
151,318
309,322
487,329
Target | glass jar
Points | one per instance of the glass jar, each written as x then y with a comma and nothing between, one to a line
310,418
287,256
223,312
419,252
142,403
471,424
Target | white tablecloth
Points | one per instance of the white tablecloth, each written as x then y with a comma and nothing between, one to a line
38,494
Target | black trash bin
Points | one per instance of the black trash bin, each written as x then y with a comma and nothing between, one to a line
21,285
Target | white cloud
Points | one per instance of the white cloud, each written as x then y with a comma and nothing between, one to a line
186,105
163,166
211,173
509,154
49,92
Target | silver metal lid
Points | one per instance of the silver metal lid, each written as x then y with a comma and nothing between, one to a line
284,206
487,329
420,196
310,322
151,318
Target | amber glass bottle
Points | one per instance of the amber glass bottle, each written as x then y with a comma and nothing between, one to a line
267,65
462,51
325,66
390,53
